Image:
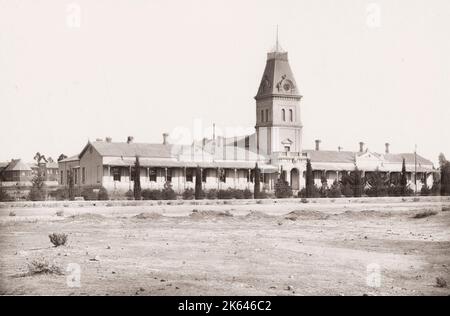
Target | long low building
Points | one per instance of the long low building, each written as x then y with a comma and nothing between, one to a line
276,146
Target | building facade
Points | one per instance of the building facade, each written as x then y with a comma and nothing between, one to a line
276,146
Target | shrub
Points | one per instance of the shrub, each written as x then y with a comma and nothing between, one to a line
225,194
60,213
347,190
4,196
212,194
60,194
248,194
129,195
36,195
283,189
425,191
189,194
168,193
238,194
440,282
335,190
425,214
12,213
42,266
151,194
58,239
103,194
88,194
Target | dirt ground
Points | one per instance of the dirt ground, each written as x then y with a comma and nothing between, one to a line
255,249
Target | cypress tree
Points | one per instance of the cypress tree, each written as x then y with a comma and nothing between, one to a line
71,185
198,183
403,179
257,187
309,179
137,179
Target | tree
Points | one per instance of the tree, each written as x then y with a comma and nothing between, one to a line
4,196
282,189
445,175
38,157
403,179
137,179
378,184
38,184
71,185
198,184
257,187
358,183
62,157
309,179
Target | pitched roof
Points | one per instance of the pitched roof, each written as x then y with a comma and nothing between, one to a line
17,165
69,159
409,158
131,149
331,156
278,78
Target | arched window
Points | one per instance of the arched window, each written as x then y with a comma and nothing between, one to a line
267,115
291,116
262,115
283,115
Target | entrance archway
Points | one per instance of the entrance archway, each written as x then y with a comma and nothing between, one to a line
295,183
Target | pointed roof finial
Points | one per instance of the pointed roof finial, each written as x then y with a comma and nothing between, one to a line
277,47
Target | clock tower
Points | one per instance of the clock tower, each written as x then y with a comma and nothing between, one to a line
278,119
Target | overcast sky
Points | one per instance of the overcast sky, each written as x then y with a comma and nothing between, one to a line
372,71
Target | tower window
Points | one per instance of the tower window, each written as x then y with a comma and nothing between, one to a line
247,142
267,115
291,116
283,115
262,115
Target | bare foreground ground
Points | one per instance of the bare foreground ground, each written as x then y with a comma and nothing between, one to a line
320,249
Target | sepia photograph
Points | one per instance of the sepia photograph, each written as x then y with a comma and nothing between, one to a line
224,153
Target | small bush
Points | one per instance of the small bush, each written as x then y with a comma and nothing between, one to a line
425,214
36,195
42,266
4,196
283,189
129,195
103,194
88,194
168,193
248,194
61,194
151,194
60,213
335,190
211,194
12,213
189,194
440,282
58,239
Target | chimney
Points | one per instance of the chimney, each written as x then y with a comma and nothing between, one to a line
387,148
108,139
361,147
318,141
165,136
130,139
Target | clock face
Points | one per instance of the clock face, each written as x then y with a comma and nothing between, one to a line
287,86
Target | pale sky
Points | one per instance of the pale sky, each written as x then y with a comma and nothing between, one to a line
372,71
